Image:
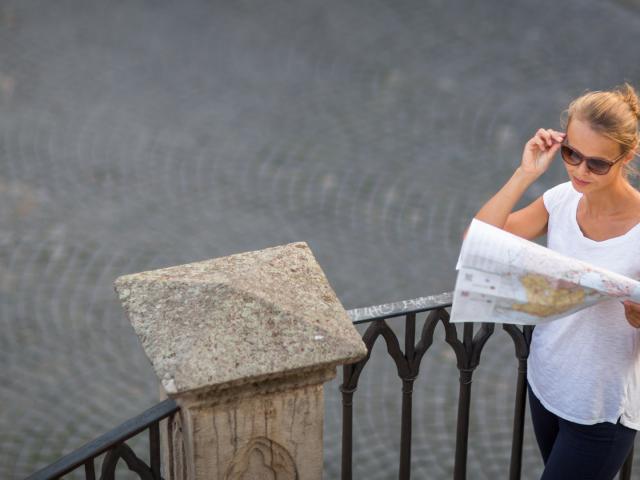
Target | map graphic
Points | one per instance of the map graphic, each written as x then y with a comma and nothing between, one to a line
503,278
546,297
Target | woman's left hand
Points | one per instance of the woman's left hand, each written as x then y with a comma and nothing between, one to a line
632,312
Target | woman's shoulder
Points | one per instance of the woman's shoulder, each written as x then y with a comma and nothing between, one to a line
565,188
558,195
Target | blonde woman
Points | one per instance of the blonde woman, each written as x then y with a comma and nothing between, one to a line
584,369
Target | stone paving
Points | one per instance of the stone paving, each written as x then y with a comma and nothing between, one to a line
137,135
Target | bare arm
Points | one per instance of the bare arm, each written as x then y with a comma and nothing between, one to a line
531,221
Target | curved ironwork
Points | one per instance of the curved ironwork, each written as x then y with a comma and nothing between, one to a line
521,340
351,375
379,327
113,444
468,350
134,463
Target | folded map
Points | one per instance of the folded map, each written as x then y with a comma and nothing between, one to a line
503,278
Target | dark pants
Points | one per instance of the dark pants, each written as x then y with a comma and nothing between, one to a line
581,452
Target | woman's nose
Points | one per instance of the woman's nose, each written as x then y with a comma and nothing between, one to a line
582,169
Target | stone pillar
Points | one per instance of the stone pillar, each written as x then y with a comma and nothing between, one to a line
244,344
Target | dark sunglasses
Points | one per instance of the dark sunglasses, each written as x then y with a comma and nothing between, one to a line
596,165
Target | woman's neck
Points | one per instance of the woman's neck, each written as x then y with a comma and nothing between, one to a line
613,200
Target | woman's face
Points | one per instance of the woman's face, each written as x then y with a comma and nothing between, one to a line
590,143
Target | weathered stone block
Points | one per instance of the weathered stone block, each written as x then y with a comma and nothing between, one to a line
244,344
239,318
274,435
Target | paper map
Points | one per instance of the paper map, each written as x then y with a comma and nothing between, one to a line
503,278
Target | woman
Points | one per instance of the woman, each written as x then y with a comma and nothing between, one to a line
584,369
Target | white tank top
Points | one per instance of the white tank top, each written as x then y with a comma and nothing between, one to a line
585,367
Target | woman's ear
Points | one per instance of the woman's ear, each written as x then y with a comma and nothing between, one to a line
629,157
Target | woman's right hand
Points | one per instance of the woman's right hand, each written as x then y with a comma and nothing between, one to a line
539,151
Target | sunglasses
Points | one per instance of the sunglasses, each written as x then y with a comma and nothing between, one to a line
596,165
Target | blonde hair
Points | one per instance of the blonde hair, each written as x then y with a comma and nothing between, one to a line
613,114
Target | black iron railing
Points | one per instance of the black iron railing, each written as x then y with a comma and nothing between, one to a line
113,444
467,351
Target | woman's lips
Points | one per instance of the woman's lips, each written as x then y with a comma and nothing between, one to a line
581,182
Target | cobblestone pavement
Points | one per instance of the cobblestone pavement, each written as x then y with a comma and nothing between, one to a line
137,135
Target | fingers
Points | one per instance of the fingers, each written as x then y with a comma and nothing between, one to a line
539,142
547,137
540,150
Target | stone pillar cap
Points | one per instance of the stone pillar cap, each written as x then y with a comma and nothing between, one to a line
239,319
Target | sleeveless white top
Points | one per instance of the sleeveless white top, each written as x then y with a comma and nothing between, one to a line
585,367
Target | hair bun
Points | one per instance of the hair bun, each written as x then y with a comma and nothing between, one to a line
629,96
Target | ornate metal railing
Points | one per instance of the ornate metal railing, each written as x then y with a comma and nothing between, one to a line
467,351
113,444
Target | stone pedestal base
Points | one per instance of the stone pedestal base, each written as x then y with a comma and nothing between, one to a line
243,344
250,434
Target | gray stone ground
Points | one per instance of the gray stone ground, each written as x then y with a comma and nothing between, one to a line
137,135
